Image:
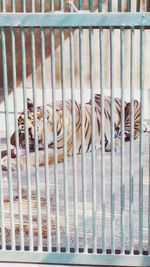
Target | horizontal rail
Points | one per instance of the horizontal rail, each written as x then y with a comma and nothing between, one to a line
80,19
76,258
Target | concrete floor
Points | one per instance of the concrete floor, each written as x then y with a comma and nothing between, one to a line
89,218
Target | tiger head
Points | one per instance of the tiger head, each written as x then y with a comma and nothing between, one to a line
31,128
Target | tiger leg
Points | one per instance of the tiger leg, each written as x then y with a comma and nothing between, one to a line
108,147
5,163
107,131
117,141
32,162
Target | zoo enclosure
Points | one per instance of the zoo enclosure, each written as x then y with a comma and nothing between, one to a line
73,21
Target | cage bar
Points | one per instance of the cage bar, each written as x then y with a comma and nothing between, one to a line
42,6
100,5
76,20
148,6
46,159
84,186
64,133
10,178
53,82
3,5
109,5
112,142
52,5
91,5
138,5
23,3
91,54
80,4
17,138
13,5
32,6
102,137
129,6
141,149
28,174
2,216
149,205
93,138
38,195
64,140
102,142
132,138
119,5
83,141
75,184
61,4
122,189
64,23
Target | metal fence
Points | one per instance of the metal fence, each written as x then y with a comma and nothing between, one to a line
94,208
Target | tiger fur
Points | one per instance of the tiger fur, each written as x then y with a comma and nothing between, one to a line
68,126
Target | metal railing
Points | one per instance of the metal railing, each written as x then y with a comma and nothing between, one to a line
62,204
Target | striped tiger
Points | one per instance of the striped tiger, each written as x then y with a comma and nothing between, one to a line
69,131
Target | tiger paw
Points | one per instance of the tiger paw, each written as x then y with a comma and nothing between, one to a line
108,147
5,164
117,144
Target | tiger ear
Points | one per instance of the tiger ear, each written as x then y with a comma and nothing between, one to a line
41,114
29,104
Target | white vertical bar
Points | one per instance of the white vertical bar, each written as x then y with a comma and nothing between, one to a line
122,141
53,78
10,180
64,139
102,143
28,175
141,161
91,39
75,185
2,217
112,141
131,141
37,178
83,139
19,180
47,177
